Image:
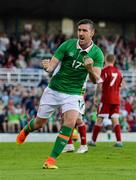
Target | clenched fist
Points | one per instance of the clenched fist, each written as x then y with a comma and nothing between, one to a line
88,62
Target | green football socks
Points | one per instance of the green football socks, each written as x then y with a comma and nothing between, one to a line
29,127
61,141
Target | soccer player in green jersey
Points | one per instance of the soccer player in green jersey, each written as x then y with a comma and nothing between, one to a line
76,59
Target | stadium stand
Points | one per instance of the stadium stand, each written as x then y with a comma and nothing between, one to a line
22,78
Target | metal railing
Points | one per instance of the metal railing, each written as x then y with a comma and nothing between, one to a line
25,77
130,78
33,77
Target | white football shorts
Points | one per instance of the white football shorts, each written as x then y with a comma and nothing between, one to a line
51,100
107,122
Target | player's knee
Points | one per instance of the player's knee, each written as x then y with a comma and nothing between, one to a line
70,123
115,121
79,121
99,121
39,122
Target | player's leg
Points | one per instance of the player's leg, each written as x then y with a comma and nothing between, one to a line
43,113
103,112
69,146
82,131
117,128
96,129
34,124
71,110
70,118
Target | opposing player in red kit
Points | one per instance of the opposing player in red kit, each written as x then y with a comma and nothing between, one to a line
109,106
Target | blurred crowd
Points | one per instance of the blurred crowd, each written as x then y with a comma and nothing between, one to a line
26,50
19,104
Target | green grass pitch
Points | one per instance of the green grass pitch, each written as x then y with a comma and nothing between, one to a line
104,162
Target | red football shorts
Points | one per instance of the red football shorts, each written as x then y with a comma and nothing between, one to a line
108,110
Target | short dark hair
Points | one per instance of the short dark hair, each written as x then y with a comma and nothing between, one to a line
86,21
110,58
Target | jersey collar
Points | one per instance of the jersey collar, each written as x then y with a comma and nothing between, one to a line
87,49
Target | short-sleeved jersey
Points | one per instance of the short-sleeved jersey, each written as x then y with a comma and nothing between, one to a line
111,82
71,75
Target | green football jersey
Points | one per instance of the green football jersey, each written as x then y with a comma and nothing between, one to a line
72,74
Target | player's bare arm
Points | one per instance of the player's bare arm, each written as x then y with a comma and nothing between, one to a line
50,65
94,72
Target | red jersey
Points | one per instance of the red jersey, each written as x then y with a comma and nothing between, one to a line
111,82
